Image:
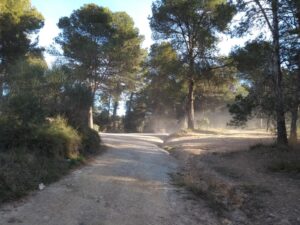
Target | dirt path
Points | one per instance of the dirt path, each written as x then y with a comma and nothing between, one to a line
127,185
239,180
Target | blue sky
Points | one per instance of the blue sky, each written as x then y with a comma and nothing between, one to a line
52,10
139,10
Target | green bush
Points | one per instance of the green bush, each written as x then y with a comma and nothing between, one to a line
58,139
13,134
22,171
91,142
34,154
54,138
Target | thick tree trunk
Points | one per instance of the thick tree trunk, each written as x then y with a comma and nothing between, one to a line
190,110
293,132
281,126
190,105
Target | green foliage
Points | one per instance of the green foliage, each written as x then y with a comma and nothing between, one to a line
22,171
253,62
53,139
85,35
192,27
94,32
197,21
30,155
91,142
135,117
103,49
26,92
165,89
282,21
75,104
13,134
18,19
241,110
57,139
103,120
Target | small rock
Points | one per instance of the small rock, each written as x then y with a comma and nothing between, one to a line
41,186
271,215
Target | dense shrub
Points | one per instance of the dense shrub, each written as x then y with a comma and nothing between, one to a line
22,171
34,154
57,139
54,138
13,134
90,141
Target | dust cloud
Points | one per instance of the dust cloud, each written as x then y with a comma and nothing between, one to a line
204,120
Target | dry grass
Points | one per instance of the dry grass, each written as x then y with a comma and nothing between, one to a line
246,183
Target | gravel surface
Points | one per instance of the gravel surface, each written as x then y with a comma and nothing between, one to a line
127,185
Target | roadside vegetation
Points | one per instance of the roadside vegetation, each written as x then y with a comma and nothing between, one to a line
50,115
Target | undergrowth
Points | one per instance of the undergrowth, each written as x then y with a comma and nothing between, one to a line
30,155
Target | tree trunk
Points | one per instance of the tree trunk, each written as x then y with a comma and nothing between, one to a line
1,84
116,104
190,110
190,105
129,106
90,118
109,106
294,113
281,127
114,117
1,90
128,123
293,132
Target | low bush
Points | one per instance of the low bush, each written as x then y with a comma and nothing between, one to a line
52,138
57,139
22,171
90,141
13,134
34,154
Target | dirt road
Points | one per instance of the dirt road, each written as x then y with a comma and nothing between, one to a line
127,185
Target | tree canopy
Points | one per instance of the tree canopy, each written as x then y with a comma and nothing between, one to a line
104,48
191,27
